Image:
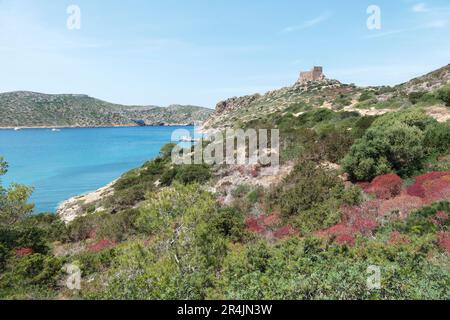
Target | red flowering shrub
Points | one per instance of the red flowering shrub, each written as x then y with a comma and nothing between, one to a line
403,204
439,219
364,225
22,252
363,185
396,238
444,240
436,190
273,219
363,219
431,187
284,232
345,239
101,245
386,186
266,226
416,190
253,225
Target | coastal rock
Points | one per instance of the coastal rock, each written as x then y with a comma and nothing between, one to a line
235,103
73,208
234,176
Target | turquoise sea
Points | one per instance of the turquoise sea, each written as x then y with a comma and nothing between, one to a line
62,164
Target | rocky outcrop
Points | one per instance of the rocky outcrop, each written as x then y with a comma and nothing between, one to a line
74,207
235,103
233,176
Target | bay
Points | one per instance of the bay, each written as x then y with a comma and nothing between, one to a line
73,161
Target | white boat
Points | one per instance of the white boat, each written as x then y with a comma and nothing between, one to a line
55,130
16,129
188,139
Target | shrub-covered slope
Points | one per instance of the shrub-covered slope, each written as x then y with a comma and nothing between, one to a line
358,192
29,109
431,90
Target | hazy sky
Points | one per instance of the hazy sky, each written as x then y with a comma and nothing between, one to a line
202,51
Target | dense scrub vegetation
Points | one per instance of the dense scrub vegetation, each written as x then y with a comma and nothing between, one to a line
30,109
164,235
397,142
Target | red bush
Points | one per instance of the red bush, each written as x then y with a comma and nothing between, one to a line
386,186
363,219
101,245
264,225
342,234
345,239
436,190
403,204
253,225
439,218
444,240
416,190
431,187
340,229
271,220
22,252
284,232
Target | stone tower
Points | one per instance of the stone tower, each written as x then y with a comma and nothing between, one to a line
314,75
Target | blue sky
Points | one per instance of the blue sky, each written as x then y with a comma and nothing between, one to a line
202,51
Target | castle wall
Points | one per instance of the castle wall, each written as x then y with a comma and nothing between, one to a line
314,75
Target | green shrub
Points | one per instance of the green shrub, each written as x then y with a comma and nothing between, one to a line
420,222
50,224
361,125
166,151
228,223
342,101
334,143
394,143
81,228
91,263
32,270
117,227
444,95
193,173
168,177
416,96
4,255
366,95
313,197
437,138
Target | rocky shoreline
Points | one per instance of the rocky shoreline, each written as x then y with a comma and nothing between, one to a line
73,208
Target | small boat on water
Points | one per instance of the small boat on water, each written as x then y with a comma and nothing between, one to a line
55,130
16,129
188,139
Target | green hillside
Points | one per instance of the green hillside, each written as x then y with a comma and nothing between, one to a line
333,95
29,109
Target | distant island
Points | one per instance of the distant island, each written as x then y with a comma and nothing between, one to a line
24,109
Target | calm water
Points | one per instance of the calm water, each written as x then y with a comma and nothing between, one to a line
70,162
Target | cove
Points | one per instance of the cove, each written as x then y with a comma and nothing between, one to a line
62,164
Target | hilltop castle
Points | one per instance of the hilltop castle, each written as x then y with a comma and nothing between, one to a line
314,75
